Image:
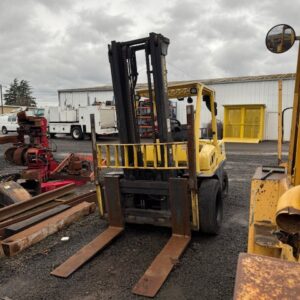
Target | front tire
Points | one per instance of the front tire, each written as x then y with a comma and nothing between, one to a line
4,130
77,133
210,206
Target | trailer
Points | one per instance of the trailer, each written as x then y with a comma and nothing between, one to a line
76,121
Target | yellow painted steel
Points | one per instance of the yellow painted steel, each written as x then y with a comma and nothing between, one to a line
280,137
99,199
262,214
208,157
294,149
296,175
244,123
150,153
195,210
242,128
182,90
214,121
196,124
209,153
273,202
288,210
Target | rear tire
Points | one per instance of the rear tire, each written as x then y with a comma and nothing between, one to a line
210,206
76,133
4,130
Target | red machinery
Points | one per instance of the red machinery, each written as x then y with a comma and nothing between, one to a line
38,157
35,154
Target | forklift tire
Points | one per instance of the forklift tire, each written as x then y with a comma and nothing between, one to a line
77,133
225,185
4,130
210,206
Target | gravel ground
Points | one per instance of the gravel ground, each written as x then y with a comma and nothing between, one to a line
206,270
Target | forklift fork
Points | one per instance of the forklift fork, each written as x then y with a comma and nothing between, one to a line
160,268
115,228
150,283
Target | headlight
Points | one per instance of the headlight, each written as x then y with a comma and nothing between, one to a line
193,91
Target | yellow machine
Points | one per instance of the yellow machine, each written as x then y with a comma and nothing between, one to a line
209,159
274,217
162,182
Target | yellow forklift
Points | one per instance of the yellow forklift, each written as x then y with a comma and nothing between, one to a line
162,182
271,269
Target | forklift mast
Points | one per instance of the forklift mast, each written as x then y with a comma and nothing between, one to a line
122,58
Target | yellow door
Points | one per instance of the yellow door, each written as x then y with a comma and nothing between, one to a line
233,126
243,123
252,123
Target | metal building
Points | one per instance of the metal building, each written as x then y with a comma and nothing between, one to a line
229,91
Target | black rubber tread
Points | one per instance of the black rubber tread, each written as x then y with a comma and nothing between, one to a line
4,130
80,137
210,206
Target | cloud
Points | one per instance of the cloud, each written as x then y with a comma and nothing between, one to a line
63,44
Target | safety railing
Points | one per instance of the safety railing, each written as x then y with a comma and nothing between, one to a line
143,156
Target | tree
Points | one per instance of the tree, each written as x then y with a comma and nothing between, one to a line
19,93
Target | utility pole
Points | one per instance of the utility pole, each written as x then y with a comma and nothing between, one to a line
1,99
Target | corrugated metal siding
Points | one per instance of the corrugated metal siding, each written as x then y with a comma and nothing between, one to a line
264,92
260,92
253,92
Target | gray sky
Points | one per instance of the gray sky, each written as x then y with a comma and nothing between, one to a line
58,44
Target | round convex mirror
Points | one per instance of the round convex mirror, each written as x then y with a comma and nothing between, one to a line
280,38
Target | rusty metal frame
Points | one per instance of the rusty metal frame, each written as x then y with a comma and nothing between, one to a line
87,197
32,235
263,277
9,139
21,207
